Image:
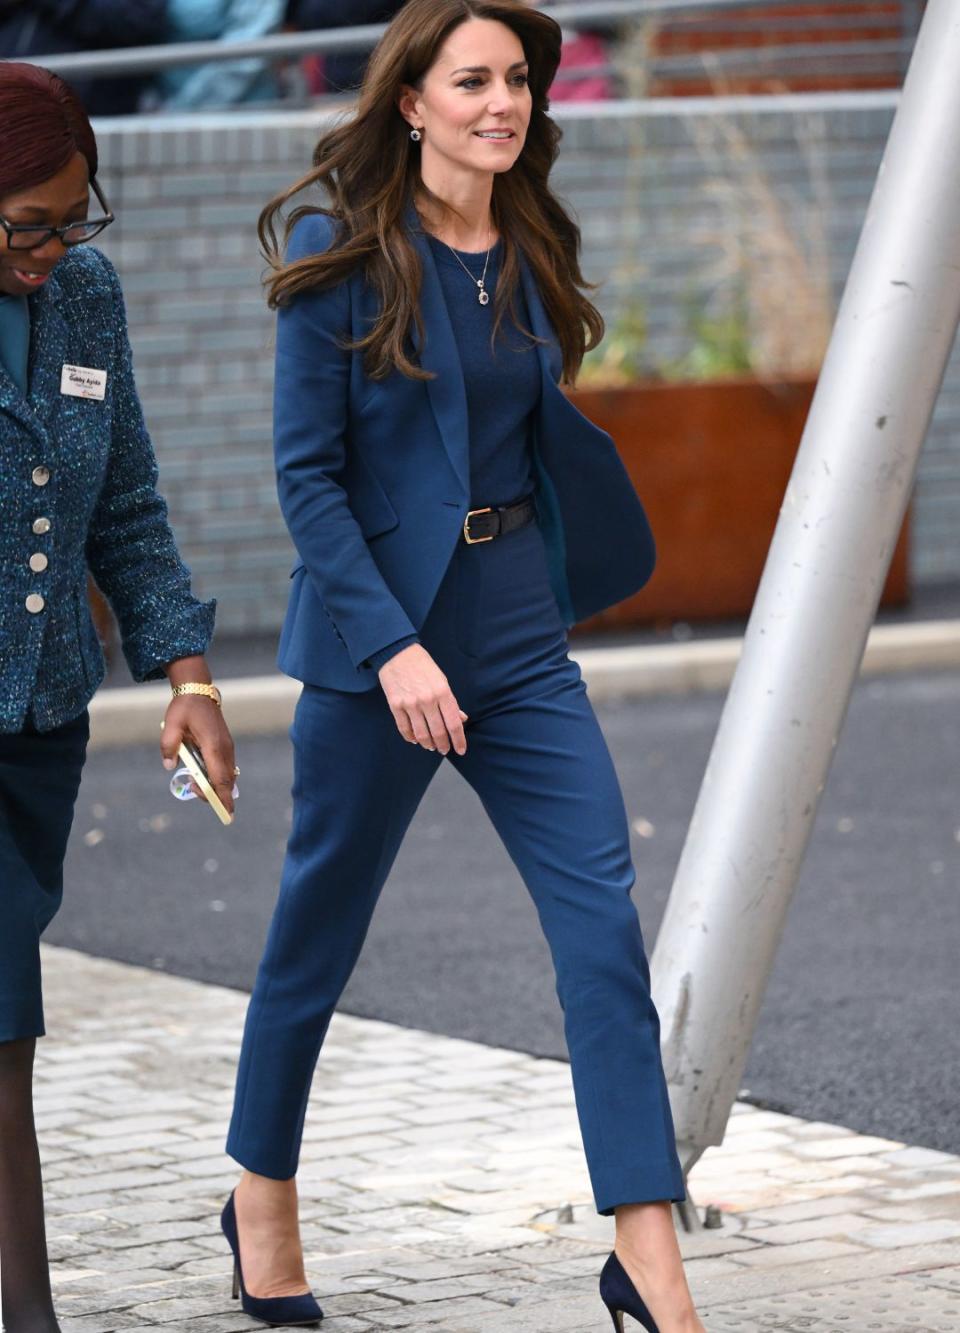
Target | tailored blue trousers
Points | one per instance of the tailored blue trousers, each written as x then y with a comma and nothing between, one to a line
538,761
39,780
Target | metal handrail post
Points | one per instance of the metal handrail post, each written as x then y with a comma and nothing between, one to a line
818,597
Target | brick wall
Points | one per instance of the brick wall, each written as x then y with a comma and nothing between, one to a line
810,45
187,193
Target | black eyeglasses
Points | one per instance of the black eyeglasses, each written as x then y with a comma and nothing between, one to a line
28,236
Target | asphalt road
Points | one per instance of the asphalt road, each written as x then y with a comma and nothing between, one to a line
861,1021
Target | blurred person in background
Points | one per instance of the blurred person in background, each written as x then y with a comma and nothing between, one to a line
31,28
78,488
337,73
585,70
585,73
225,83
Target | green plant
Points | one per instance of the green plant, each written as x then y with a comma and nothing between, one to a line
761,298
622,357
719,341
718,346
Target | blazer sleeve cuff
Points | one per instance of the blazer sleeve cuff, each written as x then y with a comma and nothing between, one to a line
152,647
381,658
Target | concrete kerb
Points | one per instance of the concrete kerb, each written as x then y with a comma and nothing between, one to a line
263,705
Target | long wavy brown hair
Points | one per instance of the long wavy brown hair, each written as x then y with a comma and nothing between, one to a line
370,171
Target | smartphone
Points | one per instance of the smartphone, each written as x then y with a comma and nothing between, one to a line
192,760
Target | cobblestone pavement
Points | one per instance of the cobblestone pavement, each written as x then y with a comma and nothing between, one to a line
443,1186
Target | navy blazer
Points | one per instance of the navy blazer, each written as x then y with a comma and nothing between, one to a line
77,489
374,478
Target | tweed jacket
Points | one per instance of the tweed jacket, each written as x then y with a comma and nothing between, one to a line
373,477
78,490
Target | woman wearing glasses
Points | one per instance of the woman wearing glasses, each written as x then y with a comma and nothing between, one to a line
77,489
452,512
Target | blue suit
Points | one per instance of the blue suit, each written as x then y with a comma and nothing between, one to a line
374,480
373,484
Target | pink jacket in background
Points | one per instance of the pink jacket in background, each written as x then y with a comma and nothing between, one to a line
584,52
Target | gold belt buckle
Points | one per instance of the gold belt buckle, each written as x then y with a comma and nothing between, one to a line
476,541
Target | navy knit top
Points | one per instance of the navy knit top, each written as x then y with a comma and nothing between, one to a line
502,383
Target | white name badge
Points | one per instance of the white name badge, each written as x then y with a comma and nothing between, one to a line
82,382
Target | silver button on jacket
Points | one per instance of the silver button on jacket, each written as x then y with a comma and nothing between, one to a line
41,526
41,475
38,562
35,603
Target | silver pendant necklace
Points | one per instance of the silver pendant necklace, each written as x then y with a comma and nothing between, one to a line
484,297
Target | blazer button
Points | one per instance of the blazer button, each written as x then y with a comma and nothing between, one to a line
41,475
35,603
38,562
41,526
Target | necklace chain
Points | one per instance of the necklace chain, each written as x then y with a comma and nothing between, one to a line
484,297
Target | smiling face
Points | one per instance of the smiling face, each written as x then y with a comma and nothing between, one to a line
474,104
63,198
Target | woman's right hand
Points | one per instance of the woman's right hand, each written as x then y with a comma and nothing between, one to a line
422,703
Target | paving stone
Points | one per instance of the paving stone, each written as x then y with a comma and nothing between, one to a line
899,1235
912,1157
947,1276
437,1206
804,1252
945,1204
808,1208
846,1146
835,1226
889,1306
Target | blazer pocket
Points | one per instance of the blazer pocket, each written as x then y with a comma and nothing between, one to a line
89,650
376,524
369,502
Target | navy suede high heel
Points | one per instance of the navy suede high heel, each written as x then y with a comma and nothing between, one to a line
621,1297
279,1311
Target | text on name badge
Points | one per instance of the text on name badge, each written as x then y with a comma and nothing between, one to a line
82,382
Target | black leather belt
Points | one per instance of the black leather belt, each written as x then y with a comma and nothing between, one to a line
482,525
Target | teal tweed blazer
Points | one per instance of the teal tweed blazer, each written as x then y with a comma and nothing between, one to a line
78,491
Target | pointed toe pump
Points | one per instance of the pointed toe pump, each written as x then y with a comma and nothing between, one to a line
279,1311
621,1297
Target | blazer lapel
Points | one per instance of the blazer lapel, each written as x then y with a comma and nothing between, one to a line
551,362
13,403
48,346
438,354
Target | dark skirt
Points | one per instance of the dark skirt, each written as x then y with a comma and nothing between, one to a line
39,780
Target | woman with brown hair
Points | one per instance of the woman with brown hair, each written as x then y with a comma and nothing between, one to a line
77,488
453,513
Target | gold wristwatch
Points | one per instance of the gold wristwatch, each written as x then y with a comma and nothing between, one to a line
195,687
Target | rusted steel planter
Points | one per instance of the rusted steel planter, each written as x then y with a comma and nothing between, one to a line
711,462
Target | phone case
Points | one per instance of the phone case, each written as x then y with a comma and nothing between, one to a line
192,761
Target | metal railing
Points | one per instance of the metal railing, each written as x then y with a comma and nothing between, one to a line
331,41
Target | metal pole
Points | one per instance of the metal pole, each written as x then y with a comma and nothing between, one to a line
818,597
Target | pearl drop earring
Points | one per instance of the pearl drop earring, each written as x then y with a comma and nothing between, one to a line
416,135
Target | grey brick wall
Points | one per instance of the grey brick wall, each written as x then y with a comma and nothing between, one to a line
187,193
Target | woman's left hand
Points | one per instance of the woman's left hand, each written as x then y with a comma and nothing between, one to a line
195,718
